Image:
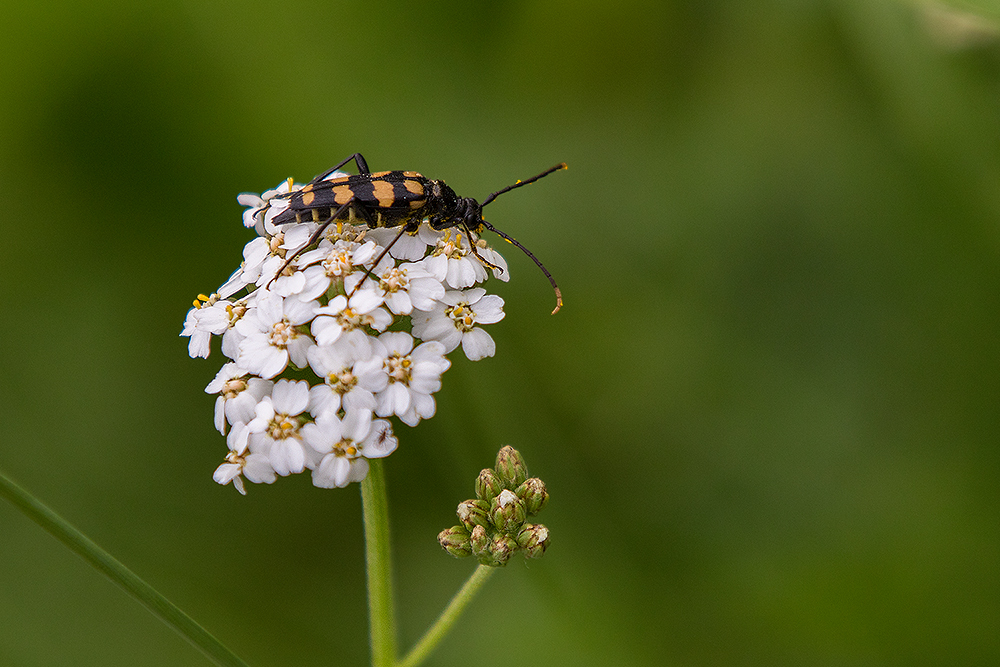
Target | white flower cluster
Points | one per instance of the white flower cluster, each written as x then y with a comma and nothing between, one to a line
326,318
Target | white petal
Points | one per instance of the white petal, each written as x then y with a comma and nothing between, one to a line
358,471
326,330
298,350
394,400
257,468
220,414
381,441
397,342
332,472
226,472
489,309
357,424
242,408
477,344
300,312
199,345
322,398
287,456
290,398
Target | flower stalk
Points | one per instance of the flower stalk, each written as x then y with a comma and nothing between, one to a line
447,619
114,570
381,611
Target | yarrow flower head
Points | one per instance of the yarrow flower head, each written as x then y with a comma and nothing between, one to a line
334,336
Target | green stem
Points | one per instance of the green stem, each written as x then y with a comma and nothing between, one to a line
448,617
107,565
381,614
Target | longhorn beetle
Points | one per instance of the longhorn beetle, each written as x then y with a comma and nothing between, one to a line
397,199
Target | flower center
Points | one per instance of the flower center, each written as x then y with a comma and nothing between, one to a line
350,320
338,263
235,313
346,447
398,368
233,387
393,280
281,333
282,427
205,301
275,244
344,232
342,382
462,315
450,248
233,457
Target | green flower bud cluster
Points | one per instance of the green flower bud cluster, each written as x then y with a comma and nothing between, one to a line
494,524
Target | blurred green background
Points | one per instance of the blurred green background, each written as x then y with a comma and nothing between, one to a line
767,415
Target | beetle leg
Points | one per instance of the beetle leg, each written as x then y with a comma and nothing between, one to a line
359,160
385,251
315,237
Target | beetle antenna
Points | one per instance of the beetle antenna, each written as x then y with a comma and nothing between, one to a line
561,165
513,241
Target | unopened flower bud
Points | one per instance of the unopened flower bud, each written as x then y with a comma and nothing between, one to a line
479,541
501,549
488,485
534,495
507,512
455,540
473,513
511,467
534,539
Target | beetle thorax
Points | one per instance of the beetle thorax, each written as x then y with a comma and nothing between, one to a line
450,210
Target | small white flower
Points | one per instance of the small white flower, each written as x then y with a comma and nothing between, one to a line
273,337
263,208
407,287
454,321
230,471
414,374
332,262
275,429
451,261
238,395
342,315
199,343
208,318
346,444
351,374
255,253
276,272
255,466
